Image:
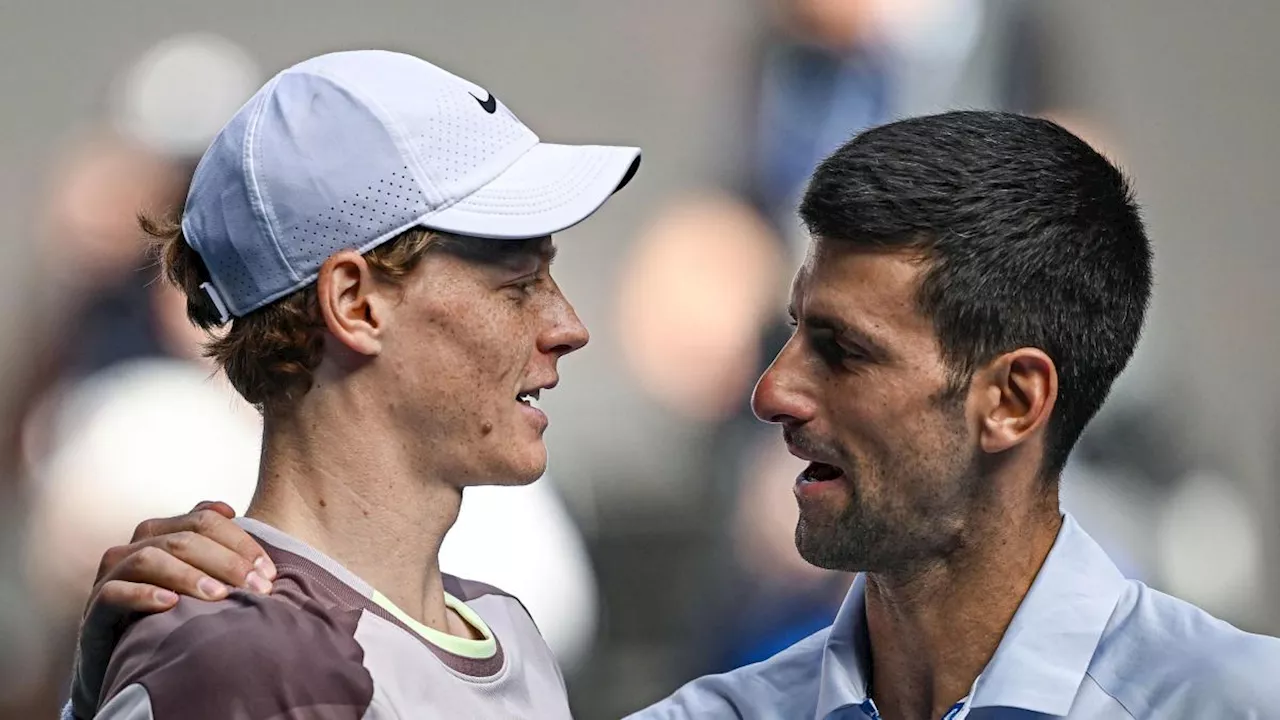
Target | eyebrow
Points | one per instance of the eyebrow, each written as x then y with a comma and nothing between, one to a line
510,255
842,329
544,253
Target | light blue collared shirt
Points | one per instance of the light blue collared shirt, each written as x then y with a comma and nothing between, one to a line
1085,643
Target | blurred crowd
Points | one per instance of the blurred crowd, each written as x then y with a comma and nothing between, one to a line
119,418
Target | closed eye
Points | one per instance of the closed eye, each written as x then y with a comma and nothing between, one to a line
824,341
526,286
829,347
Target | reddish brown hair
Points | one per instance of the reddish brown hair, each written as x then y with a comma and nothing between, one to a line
271,353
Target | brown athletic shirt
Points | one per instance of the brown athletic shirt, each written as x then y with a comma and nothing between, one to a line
326,646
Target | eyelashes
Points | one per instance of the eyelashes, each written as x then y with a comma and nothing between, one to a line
526,288
828,347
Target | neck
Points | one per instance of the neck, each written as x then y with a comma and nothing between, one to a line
933,630
367,504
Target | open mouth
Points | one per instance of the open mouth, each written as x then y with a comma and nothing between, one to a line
530,399
818,472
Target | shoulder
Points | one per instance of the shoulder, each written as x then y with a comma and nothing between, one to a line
243,657
485,599
465,590
1162,652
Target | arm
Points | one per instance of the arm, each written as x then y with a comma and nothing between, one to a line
132,703
243,658
198,554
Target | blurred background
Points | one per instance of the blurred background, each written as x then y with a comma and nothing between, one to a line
666,520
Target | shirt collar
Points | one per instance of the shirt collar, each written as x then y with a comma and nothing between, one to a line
846,657
1044,654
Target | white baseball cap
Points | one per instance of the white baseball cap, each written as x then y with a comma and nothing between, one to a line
349,149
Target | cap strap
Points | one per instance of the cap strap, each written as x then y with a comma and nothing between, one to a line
212,292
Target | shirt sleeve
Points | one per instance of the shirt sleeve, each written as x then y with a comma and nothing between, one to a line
132,703
244,659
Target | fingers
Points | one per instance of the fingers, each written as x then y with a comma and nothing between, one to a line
202,516
213,521
157,567
189,563
215,559
114,600
222,530
135,597
197,554
217,506
110,559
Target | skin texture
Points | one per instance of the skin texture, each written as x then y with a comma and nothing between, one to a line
941,501
861,386
415,400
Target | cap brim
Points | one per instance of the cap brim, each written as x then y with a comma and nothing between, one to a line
550,188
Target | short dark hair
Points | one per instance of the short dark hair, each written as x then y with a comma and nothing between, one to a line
1032,238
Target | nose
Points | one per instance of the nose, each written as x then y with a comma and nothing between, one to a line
782,394
565,333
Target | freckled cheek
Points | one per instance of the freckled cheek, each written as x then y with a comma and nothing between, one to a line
451,364
493,358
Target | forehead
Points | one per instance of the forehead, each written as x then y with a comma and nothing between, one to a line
512,255
871,290
463,266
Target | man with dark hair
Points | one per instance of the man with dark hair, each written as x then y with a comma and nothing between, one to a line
975,283
1032,239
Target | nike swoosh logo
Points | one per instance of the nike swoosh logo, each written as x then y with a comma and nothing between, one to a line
490,106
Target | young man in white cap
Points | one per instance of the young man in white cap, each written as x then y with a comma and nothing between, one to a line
377,233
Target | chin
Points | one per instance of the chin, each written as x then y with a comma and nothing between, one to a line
526,473
511,463
525,470
816,551
825,544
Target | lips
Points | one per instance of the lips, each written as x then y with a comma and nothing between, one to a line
531,394
818,472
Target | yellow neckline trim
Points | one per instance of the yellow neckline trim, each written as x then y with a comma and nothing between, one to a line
482,649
